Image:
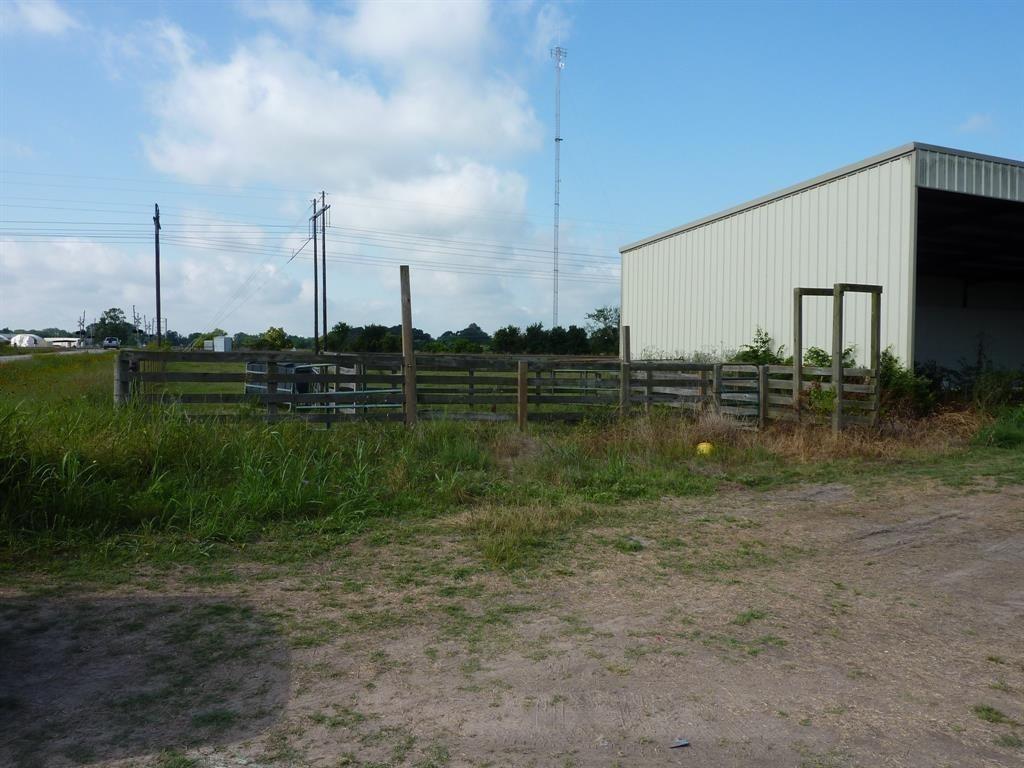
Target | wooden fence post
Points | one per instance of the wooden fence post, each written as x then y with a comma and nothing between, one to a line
625,374
522,392
837,357
122,384
876,353
408,353
271,386
716,387
798,348
762,395
649,391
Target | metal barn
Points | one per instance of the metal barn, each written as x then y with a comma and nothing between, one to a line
942,230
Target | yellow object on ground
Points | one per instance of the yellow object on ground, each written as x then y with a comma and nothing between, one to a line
705,449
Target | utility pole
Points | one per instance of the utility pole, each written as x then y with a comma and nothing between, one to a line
323,256
316,290
156,242
558,54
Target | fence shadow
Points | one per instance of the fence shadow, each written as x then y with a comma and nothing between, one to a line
84,680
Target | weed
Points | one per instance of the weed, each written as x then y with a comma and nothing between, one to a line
1010,740
990,714
748,616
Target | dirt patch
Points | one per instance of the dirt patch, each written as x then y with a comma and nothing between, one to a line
824,626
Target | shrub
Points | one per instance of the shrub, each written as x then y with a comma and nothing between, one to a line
904,393
761,351
819,358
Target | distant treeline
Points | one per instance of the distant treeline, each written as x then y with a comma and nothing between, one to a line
600,336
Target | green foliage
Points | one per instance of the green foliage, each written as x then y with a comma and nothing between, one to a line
816,357
603,329
761,351
272,338
508,340
336,339
1007,431
993,389
113,323
904,393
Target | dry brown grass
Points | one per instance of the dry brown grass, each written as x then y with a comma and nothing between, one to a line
935,435
673,434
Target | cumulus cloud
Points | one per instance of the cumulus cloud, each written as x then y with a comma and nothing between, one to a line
976,123
271,112
395,111
45,17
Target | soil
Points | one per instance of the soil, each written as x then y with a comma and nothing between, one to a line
821,626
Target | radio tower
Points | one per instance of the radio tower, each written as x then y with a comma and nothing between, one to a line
558,54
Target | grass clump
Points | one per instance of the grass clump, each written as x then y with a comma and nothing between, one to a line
1006,431
990,714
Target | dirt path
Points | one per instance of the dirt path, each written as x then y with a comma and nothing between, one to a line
820,626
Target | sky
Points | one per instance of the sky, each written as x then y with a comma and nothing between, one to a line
431,128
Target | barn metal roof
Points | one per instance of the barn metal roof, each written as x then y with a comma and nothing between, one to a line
892,154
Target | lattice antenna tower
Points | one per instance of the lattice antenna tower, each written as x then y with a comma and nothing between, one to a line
558,54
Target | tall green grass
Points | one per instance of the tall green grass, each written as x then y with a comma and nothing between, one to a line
74,469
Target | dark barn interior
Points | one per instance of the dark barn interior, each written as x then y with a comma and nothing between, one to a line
970,280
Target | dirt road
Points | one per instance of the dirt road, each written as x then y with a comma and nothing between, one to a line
823,626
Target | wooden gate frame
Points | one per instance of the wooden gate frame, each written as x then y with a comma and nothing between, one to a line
838,292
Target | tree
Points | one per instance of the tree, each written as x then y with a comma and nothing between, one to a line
536,339
336,339
272,338
603,326
373,338
576,342
508,340
113,323
558,341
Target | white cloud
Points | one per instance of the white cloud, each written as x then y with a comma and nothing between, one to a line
45,17
976,123
413,32
294,16
52,283
271,112
396,113
551,28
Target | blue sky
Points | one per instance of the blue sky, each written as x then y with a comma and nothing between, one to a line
430,127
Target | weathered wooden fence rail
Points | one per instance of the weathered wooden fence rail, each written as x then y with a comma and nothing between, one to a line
343,387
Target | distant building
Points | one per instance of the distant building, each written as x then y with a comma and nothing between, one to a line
27,340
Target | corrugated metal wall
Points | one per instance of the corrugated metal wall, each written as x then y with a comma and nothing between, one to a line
969,175
709,288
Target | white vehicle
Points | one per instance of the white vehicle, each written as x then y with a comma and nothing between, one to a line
111,342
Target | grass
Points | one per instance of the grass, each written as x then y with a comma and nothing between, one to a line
991,714
84,484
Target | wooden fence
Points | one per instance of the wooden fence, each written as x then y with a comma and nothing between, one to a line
373,387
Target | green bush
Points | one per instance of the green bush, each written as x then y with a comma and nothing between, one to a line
761,351
818,358
904,393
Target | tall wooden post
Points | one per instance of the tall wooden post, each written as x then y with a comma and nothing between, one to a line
271,387
122,384
837,356
522,392
625,374
798,348
716,387
408,353
876,353
762,395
